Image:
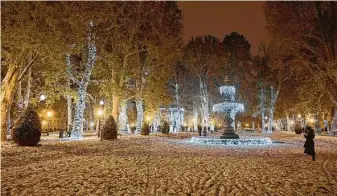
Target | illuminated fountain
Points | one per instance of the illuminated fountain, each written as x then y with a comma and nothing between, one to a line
229,108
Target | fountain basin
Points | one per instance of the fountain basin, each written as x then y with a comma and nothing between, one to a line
231,142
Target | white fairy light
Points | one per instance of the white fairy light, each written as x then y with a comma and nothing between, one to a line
228,107
228,92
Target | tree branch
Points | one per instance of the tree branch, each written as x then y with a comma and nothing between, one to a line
91,97
73,78
28,66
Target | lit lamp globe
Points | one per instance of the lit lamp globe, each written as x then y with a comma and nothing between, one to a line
42,97
49,114
101,102
100,112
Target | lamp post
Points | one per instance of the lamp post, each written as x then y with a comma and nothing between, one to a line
99,114
49,115
44,123
148,120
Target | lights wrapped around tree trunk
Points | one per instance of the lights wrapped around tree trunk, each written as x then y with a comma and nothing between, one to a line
82,90
140,116
69,117
333,130
123,119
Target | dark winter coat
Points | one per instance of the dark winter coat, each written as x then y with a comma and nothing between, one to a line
309,145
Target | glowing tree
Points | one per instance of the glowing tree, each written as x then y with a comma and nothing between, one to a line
83,84
310,41
273,97
27,37
203,58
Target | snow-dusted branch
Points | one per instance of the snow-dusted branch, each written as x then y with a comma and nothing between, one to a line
73,78
28,66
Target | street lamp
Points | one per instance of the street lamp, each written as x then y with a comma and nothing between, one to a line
101,102
49,114
42,97
100,112
148,118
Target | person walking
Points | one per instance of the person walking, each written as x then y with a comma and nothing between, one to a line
309,145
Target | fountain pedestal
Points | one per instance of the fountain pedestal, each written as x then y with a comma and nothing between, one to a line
228,131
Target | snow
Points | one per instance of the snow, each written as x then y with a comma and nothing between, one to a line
152,165
241,141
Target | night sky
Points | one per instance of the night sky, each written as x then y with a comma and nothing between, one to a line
221,18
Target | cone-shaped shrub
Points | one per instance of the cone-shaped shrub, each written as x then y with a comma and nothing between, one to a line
109,130
165,128
298,128
27,131
145,129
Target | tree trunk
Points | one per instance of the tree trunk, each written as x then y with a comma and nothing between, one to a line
115,108
68,97
273,97
29,84
69,111
79,112
7,95
123,118
140,115
333,129
195,119
19,95
204,103
262,108
82,90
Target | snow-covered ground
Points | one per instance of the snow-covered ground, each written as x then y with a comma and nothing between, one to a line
139,165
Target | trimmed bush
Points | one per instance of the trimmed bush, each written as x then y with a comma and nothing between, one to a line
199,129
27,131
109,131
165,128
298,128
133,129
145,129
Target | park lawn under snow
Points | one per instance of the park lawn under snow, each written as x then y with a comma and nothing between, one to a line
139,165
